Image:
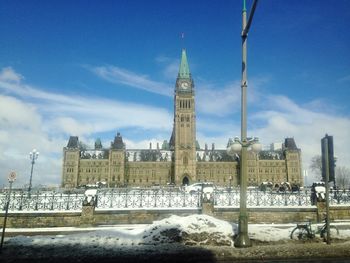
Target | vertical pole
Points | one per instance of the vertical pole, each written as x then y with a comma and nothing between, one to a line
244,77
242,239
327,190
31,175
5,218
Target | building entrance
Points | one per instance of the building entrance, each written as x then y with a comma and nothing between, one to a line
185,181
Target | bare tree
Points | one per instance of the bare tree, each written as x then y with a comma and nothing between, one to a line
316,166
342,177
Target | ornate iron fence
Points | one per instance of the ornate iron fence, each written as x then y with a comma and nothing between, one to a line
162,199
339,197
147,198
42,201
257,198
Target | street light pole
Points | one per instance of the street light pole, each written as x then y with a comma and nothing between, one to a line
33,155
11,179
242,239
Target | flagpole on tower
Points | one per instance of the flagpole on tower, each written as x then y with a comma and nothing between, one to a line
182,36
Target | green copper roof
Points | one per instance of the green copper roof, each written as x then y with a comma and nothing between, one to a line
184,71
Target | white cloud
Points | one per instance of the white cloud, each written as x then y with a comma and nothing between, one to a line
20,132
171,66
223,100
83,118
218,101
83,115
9,75
118,75
33,118
287,119
14,113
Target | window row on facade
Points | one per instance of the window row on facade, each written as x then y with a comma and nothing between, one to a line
185,104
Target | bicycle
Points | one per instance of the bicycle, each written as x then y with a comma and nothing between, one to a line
304,231
323,230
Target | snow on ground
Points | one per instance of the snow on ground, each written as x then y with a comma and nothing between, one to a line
269,233
189,230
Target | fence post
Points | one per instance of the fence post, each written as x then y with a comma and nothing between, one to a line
21,202
184,199
87,212
53,196
111,198
271,199
126,198
37,200
229,197
155,197
67,207
285,198
169,199
321,210
208,205
141,197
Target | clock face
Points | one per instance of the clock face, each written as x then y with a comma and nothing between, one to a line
184,85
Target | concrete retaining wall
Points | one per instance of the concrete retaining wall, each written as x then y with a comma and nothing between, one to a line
91,217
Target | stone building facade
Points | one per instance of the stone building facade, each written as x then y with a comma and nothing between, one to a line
179,161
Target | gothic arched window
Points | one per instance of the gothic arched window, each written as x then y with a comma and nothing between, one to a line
185,160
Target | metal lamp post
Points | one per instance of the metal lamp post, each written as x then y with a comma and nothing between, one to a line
11,179
242,145
33,156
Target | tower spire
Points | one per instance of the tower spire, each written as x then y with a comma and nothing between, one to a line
184,71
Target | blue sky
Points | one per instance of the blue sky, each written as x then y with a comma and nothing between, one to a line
92,68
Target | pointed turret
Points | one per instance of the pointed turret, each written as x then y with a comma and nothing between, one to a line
73,142
118,143
98,144
184,71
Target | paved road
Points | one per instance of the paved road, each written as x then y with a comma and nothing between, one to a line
169,253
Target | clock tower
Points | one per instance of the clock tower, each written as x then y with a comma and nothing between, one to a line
184,132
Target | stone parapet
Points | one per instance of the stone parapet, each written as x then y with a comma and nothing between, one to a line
89,216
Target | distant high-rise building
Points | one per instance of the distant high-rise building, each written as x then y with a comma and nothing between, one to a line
179,161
